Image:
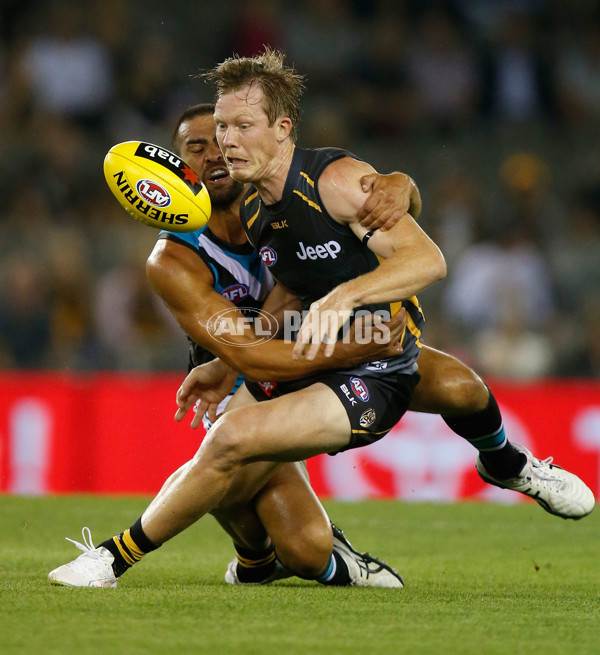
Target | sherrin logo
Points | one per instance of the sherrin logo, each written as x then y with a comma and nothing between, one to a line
154,194
360,389
140,206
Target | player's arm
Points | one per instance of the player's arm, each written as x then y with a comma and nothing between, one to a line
208,384
390,198
279,302
412,260
185,284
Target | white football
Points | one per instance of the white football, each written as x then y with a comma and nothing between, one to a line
157,187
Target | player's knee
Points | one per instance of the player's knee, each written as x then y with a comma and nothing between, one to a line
308,553
468,391
224,447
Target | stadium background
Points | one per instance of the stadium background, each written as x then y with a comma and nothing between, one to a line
493,107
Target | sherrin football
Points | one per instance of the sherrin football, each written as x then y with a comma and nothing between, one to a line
157,187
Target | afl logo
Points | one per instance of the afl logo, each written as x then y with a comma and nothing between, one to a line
360,389
235,292
267,387
154,194
268,255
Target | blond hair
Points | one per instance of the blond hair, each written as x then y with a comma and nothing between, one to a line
282,87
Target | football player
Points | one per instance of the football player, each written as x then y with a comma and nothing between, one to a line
199,274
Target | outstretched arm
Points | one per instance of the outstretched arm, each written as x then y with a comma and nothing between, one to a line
185,284
412,260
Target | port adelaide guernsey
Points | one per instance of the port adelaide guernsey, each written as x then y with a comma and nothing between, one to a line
238,272
310,253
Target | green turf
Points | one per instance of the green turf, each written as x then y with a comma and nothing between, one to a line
479,578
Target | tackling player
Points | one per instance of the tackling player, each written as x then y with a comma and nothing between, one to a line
199,274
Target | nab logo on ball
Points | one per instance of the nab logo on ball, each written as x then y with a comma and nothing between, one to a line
153,193
360,389
172,163
268,255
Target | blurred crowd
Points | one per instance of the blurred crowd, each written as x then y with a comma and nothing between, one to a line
493,106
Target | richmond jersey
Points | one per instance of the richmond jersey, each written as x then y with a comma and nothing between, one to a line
310,253
239,275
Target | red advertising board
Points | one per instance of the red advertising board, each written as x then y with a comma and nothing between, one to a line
114,433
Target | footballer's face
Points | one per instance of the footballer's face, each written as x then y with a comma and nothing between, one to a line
199,148
249,144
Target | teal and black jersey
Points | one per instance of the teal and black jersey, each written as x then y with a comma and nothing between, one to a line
310,253
238,271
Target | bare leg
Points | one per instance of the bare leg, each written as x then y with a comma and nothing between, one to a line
287,513
284,511
273,431
297,522
447,386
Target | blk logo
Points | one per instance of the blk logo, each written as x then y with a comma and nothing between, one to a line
154,194
268,255
360,389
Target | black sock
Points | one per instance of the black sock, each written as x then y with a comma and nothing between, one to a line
255,566
337,572
485,431
128,547
504,463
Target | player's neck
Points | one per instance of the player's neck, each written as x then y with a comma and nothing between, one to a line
270,186
225,224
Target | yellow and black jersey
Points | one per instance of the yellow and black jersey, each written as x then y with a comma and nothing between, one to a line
309,252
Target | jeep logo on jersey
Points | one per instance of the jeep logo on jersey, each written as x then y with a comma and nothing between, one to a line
321,251
254,327
236,292
268,255
153,193
360,389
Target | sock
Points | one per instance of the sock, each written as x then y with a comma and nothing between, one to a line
128,547
336,573
255,566
485,431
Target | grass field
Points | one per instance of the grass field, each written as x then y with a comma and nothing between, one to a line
479,579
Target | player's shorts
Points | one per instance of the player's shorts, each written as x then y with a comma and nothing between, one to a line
374,404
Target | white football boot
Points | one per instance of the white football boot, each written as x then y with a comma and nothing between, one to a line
280,573
556,490
91,569
364,569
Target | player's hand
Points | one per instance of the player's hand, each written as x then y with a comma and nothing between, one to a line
204,388
322,324
390,198
370,337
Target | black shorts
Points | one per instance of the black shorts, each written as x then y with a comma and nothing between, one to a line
374,404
